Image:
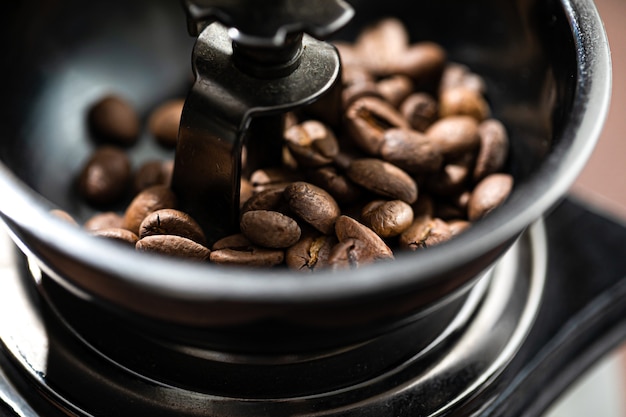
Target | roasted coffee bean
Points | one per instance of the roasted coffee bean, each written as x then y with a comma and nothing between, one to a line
313,205
381,44
339,186
105,177
106,220
64,215
455,135
312,144
171,245
423,62
270,229
310,253
165,121
117,234
458,226
153,172
494,148
424,206
347,228
450,180
411,151
368,118
425,232
457,75
395,89
489,194
113,119
354,75
348,54
420,110
171,222
461,101
273,177
271,199
387,218
383,178
350,254
354,92
238,250
148,201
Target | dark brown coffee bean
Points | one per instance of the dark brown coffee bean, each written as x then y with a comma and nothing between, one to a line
368,118
171,222
313,205
238,250
459,101
421,110
312,144
411,151
455,135
350,254
106,220
395,89
423,62
105,177
270,199
451,180
490,193
387,218
270,229
339,186
148,201
310,253
424,206
113,119
494,148
117,234
347,228
354,92
171,245
164,122
383,178
425,232
151,173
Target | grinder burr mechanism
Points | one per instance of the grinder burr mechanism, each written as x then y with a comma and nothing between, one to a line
252,64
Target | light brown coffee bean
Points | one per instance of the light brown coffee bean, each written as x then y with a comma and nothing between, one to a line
171,245
458,226
425,232
106,220
387,218
368,118
313,205
421,110
458,75
423,62
153,172
267,177
410,150
105,177
270,229
348,54
312,143
171,222
463,101
64,215
380,44
117,234
395,89
310,253
488,194
148,201
348,228
353,92
164,122
383,178
455,135
494,148
113,119
354,75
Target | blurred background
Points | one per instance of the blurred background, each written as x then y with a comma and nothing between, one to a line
602,391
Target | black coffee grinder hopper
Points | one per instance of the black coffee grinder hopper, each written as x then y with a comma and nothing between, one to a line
250,71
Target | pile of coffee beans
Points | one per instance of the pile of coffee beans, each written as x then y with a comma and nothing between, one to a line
415,160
